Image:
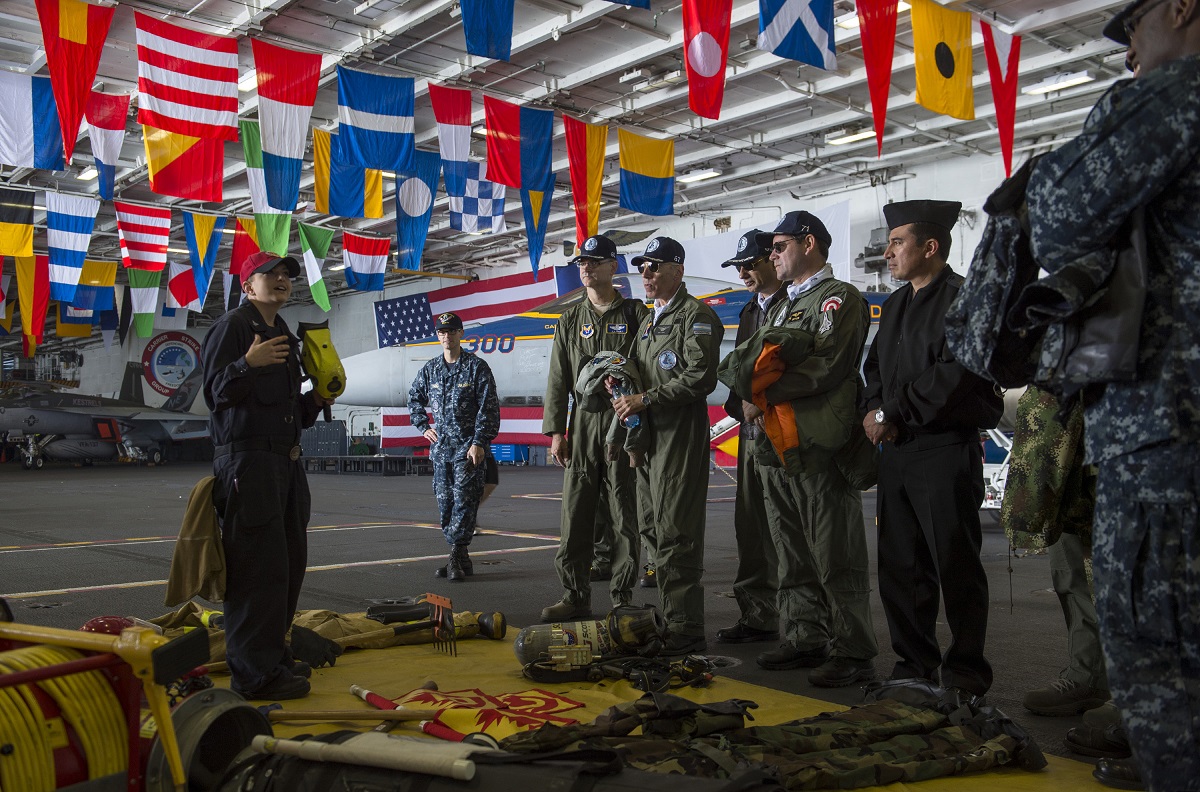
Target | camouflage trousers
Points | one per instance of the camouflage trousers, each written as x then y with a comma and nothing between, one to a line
880,743
1146,550
458,485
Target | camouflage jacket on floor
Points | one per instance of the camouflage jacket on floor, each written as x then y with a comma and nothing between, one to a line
880,743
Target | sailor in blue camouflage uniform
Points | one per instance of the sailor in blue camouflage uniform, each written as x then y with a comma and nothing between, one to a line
1140,148
459,390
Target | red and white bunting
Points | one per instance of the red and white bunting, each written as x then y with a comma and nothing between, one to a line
144,232
187,80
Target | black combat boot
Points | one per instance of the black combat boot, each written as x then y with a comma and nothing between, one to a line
456,565
465,563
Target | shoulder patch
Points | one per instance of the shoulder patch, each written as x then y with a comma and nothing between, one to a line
831,304
701,328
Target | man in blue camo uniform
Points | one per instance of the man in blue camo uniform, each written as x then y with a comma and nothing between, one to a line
1140,148
460,392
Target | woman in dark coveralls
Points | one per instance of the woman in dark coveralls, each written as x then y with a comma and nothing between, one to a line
252,375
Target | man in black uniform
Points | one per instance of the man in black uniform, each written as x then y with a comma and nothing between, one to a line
927,410
757,579
252,374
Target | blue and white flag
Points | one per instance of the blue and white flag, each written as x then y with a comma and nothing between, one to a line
414,207
635,3
800,30
375,119
29,131
488,26
481,209
403,319
69,223
535,207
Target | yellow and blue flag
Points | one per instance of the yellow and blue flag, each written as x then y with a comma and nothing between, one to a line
535,206
647,173
95,291
342,188
203,234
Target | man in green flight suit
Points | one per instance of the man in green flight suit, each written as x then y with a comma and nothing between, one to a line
602,321
678,349
816,518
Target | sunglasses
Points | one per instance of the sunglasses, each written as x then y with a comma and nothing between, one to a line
1131,22
752,265
652,266
779,247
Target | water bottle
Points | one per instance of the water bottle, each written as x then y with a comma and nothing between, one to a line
633,420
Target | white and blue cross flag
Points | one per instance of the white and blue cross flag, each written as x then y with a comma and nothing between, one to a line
375,119
800,30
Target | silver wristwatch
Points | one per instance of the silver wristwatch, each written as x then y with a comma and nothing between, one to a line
645,399
880,418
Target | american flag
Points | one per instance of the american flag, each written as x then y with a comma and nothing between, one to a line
402,319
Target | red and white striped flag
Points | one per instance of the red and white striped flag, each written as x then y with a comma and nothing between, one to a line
495,298
187,80
144,232
518,426
366,258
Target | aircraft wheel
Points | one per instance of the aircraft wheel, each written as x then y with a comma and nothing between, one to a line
25,463
39,463
155,456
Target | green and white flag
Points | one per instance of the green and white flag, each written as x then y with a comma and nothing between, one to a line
143,296
314,242
274,226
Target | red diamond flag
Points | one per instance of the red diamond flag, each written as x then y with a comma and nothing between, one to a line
705,50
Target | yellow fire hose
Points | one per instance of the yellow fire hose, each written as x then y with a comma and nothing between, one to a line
136,646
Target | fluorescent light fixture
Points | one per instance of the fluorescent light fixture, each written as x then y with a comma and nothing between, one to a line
249,82
850,21
661,81
88,173
373,9
1059,82
634,74
698,174
455,11
479,131
178,250
337,267
843,136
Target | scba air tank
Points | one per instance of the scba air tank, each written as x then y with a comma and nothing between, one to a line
535,641
626,630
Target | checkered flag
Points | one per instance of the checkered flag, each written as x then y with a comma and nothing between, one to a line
481,210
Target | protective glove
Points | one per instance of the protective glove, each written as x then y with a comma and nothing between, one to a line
314,649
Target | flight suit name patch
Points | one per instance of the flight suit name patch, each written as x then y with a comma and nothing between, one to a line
618,329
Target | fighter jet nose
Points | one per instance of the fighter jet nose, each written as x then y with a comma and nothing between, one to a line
377,378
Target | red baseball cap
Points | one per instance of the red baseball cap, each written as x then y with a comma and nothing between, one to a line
265,261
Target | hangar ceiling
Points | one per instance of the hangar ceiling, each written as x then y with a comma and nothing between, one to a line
603,63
